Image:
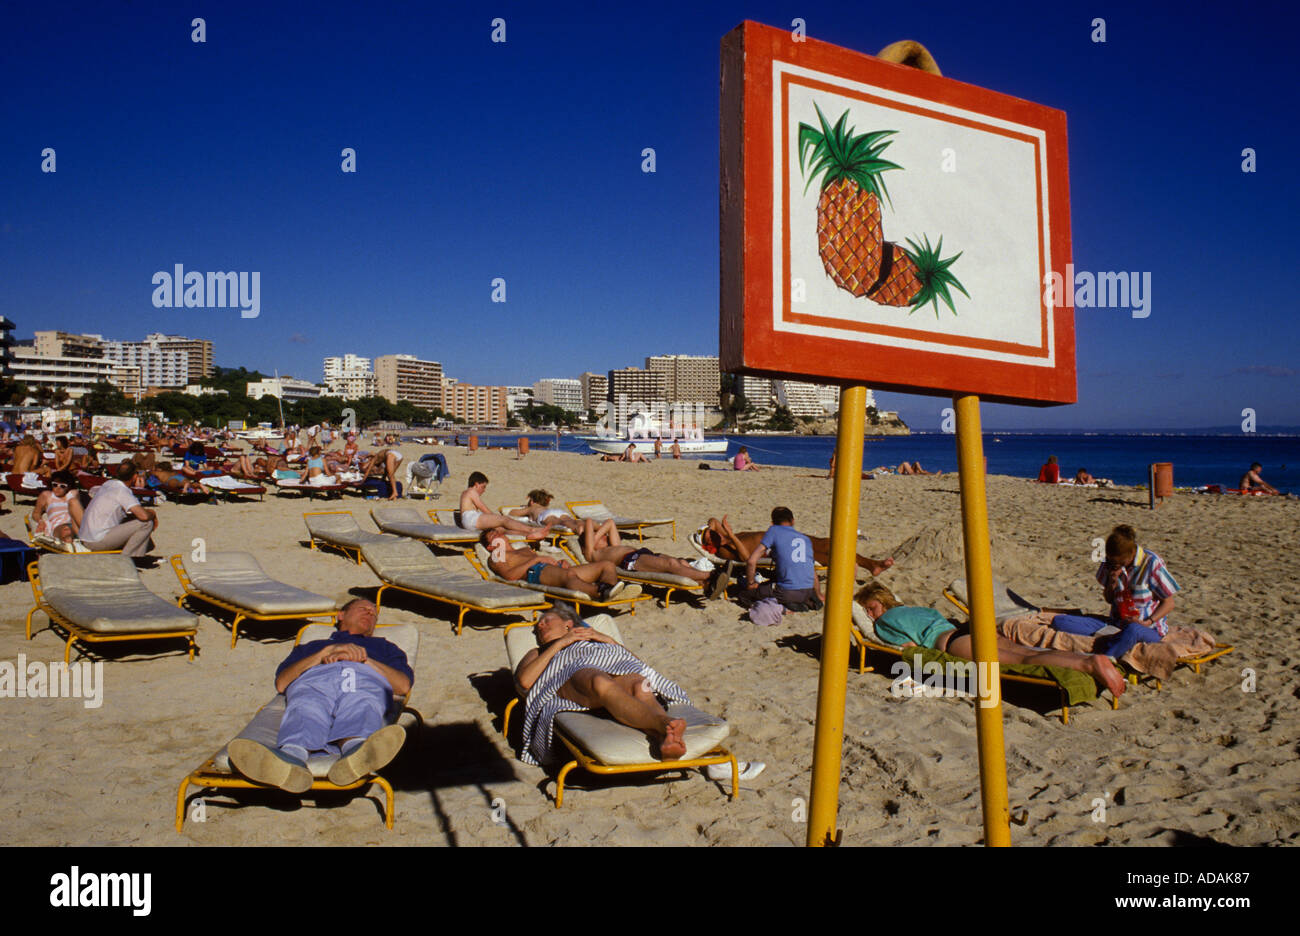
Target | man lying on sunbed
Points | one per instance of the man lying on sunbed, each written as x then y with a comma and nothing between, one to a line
597,580
910,626
576,669
723,542
603,544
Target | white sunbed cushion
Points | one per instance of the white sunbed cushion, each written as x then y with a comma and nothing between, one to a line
227,483
409,564
237,578
103,593
519,640
1003,604
612,743
599,511
342,529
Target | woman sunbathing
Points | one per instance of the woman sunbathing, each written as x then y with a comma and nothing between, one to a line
539,510
57,512
576,669
910,626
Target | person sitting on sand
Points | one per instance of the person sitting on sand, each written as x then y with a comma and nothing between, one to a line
598,580
795,582
912,626
539,510
914,468
742,461
1253,481
57,512
576,669
1140,592
1083,477
720,540
1050,473
604,544
475,516
336,694
633,454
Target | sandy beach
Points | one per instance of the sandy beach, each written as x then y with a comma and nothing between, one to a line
1198,761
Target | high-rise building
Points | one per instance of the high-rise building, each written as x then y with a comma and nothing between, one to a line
756,392
560,391
160,365
688,378
6,343
483,406
50,343
595,391
517,399
349,377
403,378
198,352
639,387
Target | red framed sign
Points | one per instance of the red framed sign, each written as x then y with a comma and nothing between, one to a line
886,226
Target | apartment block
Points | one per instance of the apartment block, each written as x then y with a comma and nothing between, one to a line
560,391
595,390
284,388
73,376
403,378
476,405
160,366
350,377
638,386
688,378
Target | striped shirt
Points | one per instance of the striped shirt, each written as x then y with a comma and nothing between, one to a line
1147,582
544,702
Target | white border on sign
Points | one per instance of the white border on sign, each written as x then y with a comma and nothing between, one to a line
780,166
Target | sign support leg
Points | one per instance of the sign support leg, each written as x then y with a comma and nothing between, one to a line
979,591
828,742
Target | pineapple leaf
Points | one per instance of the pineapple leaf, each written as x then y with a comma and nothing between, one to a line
936,279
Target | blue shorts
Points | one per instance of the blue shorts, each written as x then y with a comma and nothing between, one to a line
534,576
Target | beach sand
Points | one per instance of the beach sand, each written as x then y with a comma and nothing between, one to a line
1199,761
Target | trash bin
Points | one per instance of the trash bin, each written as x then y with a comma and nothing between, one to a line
1163,472
523,446
473,443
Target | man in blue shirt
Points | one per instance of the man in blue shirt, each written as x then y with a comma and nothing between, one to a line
337,692
794,582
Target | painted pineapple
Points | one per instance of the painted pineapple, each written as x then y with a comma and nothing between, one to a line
916,277
849,236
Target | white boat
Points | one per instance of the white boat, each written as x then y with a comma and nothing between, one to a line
613,445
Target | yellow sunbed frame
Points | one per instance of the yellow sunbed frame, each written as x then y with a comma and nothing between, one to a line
719,755
1195,662
207,776
576,602
75,632
463,605
633,577
640,527
240,613
346,550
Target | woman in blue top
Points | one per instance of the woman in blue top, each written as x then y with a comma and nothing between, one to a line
911,626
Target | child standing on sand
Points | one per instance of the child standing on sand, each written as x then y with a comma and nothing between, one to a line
1140,591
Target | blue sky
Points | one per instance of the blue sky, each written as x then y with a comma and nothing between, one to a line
522,160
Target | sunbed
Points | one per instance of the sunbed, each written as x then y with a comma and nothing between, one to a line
666,580
228,486
407,566
100,598
235,581
409,522
601,745
298,486
1007,603
864,635
44,541
16,484
595,510
478,558
339,529
216,772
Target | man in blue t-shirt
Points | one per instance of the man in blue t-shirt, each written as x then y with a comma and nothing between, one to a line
794,582
337,692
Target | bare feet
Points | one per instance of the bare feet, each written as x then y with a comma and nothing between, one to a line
1109,674
673,745
876,566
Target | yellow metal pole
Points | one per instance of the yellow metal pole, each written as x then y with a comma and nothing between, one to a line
828,741
979,589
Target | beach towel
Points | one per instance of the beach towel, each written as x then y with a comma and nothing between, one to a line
225,483
1154,659
544,703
